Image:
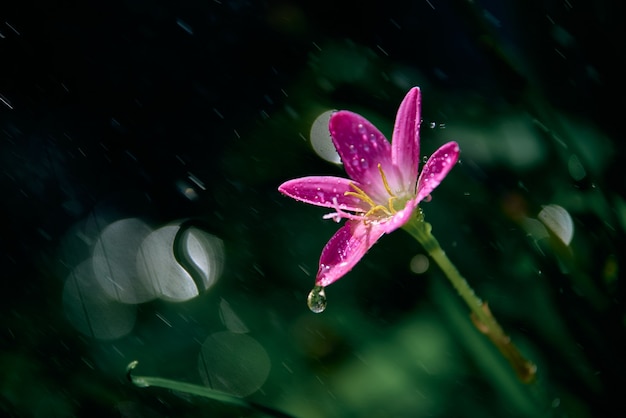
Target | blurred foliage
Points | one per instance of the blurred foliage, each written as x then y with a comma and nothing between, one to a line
105,109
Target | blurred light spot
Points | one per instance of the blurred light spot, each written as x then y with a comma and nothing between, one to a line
535,228
114,261
575,168
511,140
233,363
205,252
559,221
598,149
185,277
320,138
230,319
186,190
90,310
419,264
157,265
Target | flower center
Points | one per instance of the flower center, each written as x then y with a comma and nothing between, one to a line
388,210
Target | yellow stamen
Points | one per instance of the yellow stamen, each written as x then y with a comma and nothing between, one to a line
374,207
392,196
382,174
360,194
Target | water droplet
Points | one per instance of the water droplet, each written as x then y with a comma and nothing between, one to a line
317,299
424,159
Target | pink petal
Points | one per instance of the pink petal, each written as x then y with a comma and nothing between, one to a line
362,147
345,249
322,190
436,168
405,143
401,217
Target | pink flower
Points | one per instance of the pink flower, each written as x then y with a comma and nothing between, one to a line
383,190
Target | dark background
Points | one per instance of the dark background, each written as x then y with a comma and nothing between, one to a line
115,104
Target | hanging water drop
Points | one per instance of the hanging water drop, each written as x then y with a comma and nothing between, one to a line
317,299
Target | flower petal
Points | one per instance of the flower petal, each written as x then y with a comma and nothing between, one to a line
322,190
401,217
362,147
345,249
405,143
436,168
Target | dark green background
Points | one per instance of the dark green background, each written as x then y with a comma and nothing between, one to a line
103,101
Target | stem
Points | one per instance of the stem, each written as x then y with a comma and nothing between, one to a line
190,388
481,315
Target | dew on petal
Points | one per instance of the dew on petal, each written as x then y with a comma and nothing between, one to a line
316,300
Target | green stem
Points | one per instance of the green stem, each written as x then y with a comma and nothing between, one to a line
481,315
190,388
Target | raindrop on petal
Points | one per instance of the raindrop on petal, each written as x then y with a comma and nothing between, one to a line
317,299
